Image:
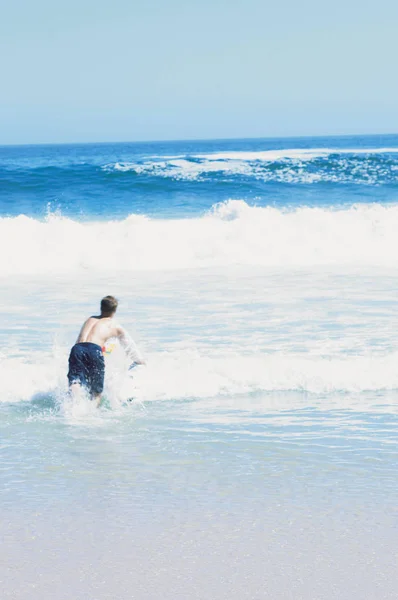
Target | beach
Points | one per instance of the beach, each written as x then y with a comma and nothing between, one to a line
255,455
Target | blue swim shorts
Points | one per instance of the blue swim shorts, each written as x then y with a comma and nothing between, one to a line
87,367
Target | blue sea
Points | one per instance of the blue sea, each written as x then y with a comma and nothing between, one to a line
255,455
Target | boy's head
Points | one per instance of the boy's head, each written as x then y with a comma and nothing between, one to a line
108,306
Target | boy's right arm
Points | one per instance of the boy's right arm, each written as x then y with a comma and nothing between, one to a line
129,347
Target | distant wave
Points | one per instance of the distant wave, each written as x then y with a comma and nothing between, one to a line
362,166
232,233
294,153
306,166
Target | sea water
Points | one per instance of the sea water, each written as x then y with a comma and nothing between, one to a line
255,455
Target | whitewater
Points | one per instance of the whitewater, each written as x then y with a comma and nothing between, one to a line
232,233
255,455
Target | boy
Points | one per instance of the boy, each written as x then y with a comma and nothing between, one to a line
86,359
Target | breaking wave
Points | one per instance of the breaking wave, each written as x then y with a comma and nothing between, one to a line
180,375
364,166
232,233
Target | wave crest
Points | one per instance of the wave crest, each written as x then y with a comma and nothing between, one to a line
176,375
233,233
362,166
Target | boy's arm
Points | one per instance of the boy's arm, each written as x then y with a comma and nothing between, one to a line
129,347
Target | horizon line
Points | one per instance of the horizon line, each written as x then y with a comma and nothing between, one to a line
206,139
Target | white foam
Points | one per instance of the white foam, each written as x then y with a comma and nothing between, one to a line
267,155
180,375
284,165
181,168
291,153
233,233
184,376
22,381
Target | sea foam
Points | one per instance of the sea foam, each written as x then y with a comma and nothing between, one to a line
179,375
232,233
362,166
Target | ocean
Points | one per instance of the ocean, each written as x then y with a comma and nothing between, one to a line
255,455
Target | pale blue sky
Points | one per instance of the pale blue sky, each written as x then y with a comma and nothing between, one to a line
92,70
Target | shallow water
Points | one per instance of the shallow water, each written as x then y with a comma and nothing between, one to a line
246,466
255,456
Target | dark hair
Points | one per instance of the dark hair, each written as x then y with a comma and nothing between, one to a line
108,305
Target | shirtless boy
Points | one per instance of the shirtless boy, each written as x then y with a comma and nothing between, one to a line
86,359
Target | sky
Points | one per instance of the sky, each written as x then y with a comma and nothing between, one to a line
128,70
